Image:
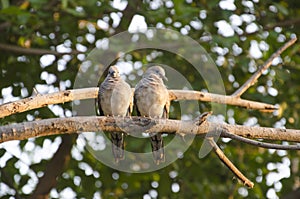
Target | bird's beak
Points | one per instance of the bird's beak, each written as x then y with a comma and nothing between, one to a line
114,74
165,78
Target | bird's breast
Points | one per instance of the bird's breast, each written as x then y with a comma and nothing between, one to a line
151,100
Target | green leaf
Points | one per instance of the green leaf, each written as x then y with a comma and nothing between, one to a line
12,10
282,9
38,3
5,3
2,152
74,12
64,4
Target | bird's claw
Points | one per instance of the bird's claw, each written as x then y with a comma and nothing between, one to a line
202,118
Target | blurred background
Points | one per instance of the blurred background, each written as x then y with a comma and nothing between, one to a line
44,43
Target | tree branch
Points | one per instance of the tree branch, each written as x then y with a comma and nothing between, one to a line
54,126
5,178
88,93
221,99
229,164
263,144
4,25
252,80
270,26
54,168
33,51
39,101
290,22
295,194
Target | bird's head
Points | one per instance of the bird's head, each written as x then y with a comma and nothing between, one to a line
113,72
157,70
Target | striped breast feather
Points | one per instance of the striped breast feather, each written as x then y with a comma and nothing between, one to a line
109,83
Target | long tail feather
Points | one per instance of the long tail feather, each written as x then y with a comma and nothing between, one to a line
117,139
158,148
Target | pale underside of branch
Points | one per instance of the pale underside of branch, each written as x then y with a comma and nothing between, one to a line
39,101
54,126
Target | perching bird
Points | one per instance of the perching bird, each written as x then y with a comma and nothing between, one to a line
151,98
115,99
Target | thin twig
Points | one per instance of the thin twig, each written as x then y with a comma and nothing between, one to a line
270,26
33,51
229,164
262,144
252,80
42,100
291,22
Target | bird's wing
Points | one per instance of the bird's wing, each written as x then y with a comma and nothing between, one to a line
131,104
135,101
99,102
166,110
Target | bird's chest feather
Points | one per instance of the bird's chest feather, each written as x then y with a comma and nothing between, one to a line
151,100
115,101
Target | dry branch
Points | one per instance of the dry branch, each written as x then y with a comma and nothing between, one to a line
252,80
263,144
221,99
229,164
25,130
88,93
39,101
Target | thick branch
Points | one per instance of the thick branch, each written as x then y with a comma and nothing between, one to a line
229,164
54,168
252,80
87,93
46,99
32,51
25,130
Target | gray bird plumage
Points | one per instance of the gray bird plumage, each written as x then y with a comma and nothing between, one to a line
115,99
152,100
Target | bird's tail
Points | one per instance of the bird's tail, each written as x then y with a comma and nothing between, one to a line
158,148
117,139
